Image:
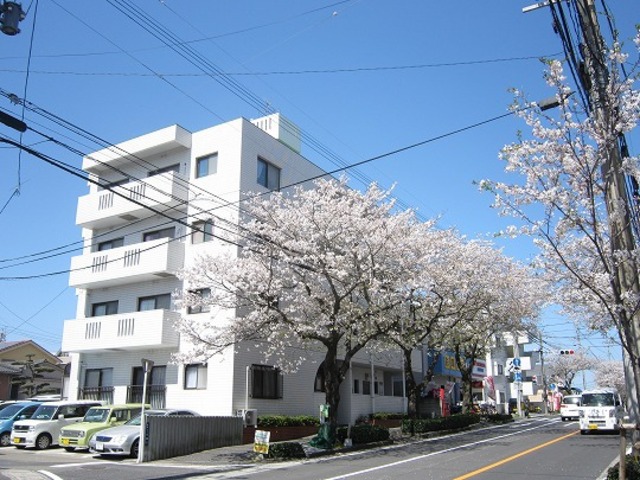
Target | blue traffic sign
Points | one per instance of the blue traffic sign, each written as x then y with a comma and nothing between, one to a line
517,362
517,377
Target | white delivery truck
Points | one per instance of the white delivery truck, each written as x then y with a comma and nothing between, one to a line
601,409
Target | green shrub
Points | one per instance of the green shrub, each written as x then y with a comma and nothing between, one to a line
363,433
632,470
274,421
417,426
498,418
286,450
388,416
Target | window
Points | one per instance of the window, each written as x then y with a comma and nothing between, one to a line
104,308
356,385
318,384
206,165
266,382
154,302
109,244
171,168
200,307
98,377
268,175
195,377
202,231
157,234
500,369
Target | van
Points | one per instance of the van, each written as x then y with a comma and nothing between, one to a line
96,419
43,428
601,409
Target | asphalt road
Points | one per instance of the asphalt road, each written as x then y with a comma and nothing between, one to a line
543,447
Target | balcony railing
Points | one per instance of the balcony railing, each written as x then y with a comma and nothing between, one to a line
125,331
139,262
156,395
106,209
104,394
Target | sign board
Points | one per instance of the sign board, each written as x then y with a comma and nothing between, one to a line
524,363
517,377
261,441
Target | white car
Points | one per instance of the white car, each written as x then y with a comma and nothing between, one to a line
569,408
601,409
43,428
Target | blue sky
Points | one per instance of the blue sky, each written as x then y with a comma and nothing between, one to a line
360,77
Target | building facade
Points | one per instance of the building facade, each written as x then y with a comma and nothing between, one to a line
155,203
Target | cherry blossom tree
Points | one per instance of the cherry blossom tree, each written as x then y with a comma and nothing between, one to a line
611,374
560,199
319,268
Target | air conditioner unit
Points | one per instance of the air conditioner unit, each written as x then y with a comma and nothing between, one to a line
249,417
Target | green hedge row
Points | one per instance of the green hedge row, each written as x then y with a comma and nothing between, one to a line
273,421
363,433
632,470
422,425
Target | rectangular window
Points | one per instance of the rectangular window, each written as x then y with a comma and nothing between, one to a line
356,385
206,165
266,382
195,377
154,302
366,387
98,377
109,244
500,369
171,168
157,234
104,308
268,175
203,294
202,231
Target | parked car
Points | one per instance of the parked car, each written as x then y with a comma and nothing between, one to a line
125,439
13,412
96,419
569,407
43,428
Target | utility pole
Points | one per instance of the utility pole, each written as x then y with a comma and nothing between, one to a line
545,407
617,202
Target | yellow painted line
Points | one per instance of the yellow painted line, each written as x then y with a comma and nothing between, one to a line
513,457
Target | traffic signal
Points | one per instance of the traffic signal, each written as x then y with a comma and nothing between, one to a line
567,352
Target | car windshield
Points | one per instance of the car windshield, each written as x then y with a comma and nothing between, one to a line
45,412
96,415
134,421
598,400
10,411
571,401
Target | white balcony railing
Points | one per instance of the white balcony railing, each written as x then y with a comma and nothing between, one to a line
129,264
124,331
105,208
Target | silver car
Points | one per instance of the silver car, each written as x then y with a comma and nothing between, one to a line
125,439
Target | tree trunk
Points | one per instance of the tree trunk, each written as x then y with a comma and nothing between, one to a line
412,388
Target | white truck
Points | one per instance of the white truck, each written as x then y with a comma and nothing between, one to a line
601,409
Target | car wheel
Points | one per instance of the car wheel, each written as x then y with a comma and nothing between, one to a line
70,449
135,447
563,419
583,432
5,439
43,441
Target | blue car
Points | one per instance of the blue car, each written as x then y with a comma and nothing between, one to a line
8,415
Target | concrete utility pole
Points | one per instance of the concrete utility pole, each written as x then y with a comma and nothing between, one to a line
545,407
620,228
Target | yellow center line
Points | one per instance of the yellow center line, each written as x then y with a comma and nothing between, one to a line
513,457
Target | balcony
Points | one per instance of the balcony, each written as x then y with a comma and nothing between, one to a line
129,264
156,395
106,209
124,331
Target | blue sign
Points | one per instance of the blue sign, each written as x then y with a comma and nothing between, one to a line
517,362
517,377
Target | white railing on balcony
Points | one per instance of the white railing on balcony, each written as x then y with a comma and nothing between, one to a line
105,208
125,331
131,263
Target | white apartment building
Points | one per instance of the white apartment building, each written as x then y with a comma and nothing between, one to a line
136,243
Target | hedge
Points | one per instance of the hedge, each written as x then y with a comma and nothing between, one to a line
363,433
274,421
417,426
286,450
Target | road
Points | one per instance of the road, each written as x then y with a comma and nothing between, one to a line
542,447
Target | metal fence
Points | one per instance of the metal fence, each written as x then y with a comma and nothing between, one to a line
156,395
173,436
104,394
